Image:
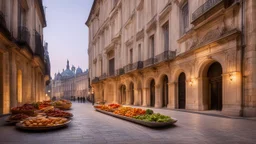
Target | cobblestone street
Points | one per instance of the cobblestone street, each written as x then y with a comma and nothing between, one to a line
89,126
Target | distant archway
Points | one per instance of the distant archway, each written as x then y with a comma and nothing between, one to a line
152,93
165,91
182,91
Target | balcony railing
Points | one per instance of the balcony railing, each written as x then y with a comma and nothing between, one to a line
39,46
120,71
133,66
149,62
103,76
209,4
23,35
95,80
166,55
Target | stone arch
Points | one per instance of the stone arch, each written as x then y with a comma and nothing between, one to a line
205,84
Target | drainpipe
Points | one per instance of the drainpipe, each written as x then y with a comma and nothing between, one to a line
242,57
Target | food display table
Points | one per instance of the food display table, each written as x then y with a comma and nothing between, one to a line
144,123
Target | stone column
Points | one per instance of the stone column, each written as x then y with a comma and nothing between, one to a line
158,96
146,97
172,95
136,97
13,80
6,84
115,93
127,97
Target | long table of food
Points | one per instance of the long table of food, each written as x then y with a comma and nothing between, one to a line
44,115
136,115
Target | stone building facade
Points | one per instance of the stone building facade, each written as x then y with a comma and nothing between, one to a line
179,54
71,82
24,68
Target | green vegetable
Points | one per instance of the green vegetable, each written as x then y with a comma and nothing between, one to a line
149,111
153,118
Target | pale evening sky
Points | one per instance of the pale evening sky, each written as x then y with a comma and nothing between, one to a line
66,33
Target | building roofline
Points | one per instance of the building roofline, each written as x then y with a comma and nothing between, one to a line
91,11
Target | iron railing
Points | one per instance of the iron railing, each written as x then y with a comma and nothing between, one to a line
166,55
120,71
39,46
209,4
95,80
149,62
23,35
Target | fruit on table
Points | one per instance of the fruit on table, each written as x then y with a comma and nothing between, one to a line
43,122
114,106
58,113
18,117
25,107
153,118
129,111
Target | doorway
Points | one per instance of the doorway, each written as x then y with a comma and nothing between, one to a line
182,91
165,91
215,86
123,94
152,93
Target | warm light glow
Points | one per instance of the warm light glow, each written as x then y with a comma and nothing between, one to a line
49,91
19,86
232,77
190,82
46,94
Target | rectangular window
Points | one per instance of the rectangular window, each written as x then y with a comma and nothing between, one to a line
101,67
166,36
185,18
139,52
131,56
152,46
111,66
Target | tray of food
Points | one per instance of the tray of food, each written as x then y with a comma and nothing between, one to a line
148,119
58,113
16,118
27,109
62,104
43,123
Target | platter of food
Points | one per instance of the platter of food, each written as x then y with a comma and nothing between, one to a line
59,113
62,104
16,118
139,116
43,123
27,109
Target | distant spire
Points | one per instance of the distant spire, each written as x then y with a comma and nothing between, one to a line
68,64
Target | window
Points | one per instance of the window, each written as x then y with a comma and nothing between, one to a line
139,52
101,67
152,46
131,56
166,36
111,66
185,17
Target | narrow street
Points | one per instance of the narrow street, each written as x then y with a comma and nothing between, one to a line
89,126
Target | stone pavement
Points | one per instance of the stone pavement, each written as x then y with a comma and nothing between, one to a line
91,127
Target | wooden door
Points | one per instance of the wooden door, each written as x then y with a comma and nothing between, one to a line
182,91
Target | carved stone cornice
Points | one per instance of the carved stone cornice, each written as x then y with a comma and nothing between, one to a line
140,34
129,42
140,5
165,11
151,24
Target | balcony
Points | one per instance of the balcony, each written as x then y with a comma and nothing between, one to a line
95,80
120,71
149,62
166,55
39,46
103,76
209,8
23,36
133,66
